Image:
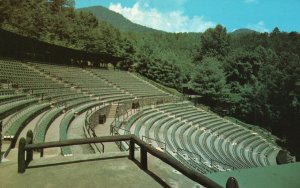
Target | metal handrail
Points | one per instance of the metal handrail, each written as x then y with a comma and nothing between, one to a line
212,162
158,141
26,147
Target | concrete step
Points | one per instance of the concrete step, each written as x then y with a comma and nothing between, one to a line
112,111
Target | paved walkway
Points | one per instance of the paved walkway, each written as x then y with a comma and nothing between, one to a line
104,130
76,131
53,135
113,170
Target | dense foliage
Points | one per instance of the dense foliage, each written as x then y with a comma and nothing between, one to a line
57,22
253,76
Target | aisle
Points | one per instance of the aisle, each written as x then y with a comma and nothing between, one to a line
76,131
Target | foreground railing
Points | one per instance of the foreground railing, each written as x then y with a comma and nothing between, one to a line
26,147
0,141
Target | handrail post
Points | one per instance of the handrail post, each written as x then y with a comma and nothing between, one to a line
29,140
41,152
144,161
21,156
102,147
0,140
232,183
111,129
131,149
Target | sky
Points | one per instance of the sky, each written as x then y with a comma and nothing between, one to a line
198,15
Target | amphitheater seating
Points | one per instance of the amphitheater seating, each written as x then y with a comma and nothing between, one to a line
68,118
20,76
14,122
6,91
44,123
18,121
86,82
8,108
200,139
128,83
9,97
28,88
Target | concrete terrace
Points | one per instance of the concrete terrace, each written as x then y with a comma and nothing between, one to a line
112,170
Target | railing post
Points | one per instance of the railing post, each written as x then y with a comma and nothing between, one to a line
29,140
21,156
41,152
232,183
131,149
144,161
102,147
0,140
111,129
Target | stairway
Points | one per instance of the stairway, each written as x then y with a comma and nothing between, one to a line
112,111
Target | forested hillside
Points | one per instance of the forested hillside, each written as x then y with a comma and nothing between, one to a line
252,76
116,19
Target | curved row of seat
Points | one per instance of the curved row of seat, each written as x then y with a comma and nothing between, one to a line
29,89
204,139
11,106
19,120
44,123
129,83
9,98
15,122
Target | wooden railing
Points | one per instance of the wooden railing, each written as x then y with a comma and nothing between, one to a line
26,147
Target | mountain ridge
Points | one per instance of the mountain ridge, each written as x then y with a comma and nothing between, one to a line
243,31
117,20
125,25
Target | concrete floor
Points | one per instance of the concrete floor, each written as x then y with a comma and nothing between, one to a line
75,130
111,170
104,130
53,135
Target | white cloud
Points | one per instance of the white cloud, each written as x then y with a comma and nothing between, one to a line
249,1
260,27
173,21
165,4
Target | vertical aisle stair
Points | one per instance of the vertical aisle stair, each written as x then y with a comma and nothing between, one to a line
112,111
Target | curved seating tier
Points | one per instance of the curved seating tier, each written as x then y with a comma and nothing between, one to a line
128,83
15,122
9,108
44,123
8,98
28,88
199,139
86,82
19,120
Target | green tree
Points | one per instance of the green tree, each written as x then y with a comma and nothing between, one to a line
209,81
214,43
242,66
